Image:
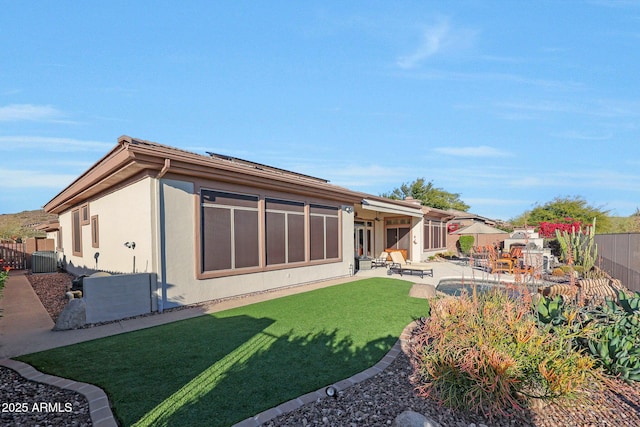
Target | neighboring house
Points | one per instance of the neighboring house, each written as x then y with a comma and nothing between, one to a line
486,234
212,226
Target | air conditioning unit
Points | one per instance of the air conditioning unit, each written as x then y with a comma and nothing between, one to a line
44,262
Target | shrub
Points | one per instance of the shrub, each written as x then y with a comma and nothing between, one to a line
446,255
487,353
610,332
616,341
466,243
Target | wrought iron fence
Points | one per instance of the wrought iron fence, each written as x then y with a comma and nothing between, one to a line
14,255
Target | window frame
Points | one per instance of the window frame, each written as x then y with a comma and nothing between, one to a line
320,211
95,232
288,215
435,235
304,207
235,211
85,214
76,232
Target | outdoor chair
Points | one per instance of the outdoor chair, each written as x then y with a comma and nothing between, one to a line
399,265
514,254
381,261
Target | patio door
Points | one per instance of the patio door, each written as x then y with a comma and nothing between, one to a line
398,235
363,239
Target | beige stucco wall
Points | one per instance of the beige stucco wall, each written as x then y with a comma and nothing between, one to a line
123,216
177,275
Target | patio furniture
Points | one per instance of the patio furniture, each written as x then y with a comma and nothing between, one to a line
502,265
381,261
399,265
364,263
514,254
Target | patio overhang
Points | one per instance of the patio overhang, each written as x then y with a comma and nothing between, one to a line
378,206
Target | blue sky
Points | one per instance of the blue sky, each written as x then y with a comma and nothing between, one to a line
508,103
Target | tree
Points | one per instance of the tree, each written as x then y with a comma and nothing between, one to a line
428,195
565,210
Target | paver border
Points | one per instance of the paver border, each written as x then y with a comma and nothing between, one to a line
99,409
294,404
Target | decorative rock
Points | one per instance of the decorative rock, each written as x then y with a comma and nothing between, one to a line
73,316
420,290
413,419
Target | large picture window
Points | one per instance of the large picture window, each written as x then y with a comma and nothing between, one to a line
230,231
323,232
245,232
285,235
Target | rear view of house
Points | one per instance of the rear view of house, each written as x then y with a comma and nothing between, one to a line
209,226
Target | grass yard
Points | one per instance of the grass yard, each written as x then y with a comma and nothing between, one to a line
216,370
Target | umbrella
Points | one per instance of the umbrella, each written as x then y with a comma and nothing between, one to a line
478,228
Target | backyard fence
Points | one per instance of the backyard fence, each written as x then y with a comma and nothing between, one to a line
14,255
619,255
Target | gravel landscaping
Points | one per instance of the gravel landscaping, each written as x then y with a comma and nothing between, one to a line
373,402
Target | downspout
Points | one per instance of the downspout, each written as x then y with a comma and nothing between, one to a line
164,170
161,291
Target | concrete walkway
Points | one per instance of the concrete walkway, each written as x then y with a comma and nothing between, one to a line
25,327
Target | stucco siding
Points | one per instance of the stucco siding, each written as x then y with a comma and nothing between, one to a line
123,216
178,277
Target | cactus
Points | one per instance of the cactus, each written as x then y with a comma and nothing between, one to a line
580,247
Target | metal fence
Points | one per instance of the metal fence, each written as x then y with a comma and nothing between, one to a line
619,255
14,255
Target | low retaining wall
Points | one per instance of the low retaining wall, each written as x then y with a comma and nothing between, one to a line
120,296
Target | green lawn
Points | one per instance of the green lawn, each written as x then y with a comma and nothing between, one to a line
216,370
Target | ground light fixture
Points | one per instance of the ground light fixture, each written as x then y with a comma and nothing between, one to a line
331,391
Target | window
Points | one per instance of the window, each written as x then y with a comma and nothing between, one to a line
323,232
95,241
59,239
229,231
285,234
84,214
76,233
398,238
435,234
242,233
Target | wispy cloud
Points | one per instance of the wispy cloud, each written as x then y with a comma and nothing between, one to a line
580,180
608,108
480,151
49,144
457,76
584,136
436,39
22,178
355,176
29,112
487,201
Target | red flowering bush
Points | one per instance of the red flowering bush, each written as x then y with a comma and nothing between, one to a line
548,229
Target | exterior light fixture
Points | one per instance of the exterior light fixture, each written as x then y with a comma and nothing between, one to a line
132,245
348,209
331,391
